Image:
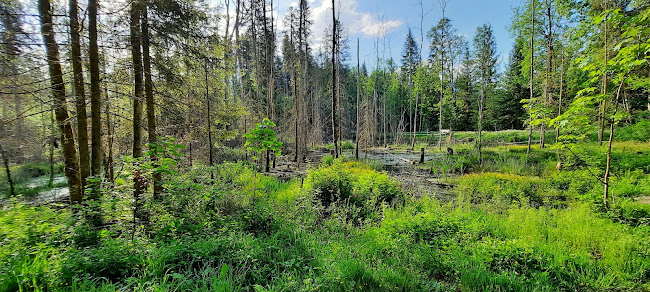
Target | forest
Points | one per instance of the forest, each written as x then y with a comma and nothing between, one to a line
220,145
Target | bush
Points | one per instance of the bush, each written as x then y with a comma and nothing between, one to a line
636,132
354,186
499,192
225,154
28,171
348,145
113,260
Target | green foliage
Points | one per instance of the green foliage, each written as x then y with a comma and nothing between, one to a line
355,187
262,138
635,132
167,154
28,250
31,178
347,145
519,227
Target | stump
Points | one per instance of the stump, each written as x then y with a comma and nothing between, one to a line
421,155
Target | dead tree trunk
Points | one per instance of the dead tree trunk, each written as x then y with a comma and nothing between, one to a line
532,72
334,101
356,154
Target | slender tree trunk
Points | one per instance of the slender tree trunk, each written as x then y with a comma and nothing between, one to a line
532,72
207,99
609,148
442,78
415,115
5,160
95,90
559,104
51,180
109,172
334,102
603,105
70,158
410,97
356,151
136,55
148,92
480,119
79,92
303,92
95,110
339,98
417,91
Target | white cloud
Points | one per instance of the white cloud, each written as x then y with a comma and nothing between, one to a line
355,22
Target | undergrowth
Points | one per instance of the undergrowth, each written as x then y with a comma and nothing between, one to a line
517,224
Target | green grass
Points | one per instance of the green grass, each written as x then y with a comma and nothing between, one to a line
24,175
517,224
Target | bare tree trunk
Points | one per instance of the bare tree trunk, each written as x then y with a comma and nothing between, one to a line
559,104
5,160
58,92
50,183
549,63
417,91
95,217
532,71
148,92
356,151
95,94
480,119
136,55
443,4
339,98
109,172
334,102
603,105
207,99
609,147
79,92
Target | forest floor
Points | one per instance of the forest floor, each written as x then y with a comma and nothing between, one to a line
400,163
513,222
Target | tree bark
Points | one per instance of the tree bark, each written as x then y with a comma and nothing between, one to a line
70,157
356,154
136,55
95,97
609,147
334,102
5,160
207,99
603,105
532,72
79,92
148,92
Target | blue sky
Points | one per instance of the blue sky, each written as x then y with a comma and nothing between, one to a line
363,18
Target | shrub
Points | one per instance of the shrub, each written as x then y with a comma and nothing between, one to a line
354,186
113,260
636,132
347,145
29,171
